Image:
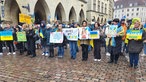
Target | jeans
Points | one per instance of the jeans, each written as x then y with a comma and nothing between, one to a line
73,49
11,46
84,51
144,48
60,51
134,58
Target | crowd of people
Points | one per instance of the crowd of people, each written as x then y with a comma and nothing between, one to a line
38,36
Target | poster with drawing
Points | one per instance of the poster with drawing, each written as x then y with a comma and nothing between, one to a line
56,37
71,33
83,33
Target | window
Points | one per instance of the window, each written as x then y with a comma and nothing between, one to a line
136,14
137,9
127,9
121,6
94,5
132,9
127,15
132,14
122,10
130,4
117,6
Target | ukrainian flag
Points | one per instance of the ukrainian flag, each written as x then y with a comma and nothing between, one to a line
41,34
93,35
6,35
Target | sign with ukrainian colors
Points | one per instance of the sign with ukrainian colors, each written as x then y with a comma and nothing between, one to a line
113,30
71,33
83,33
21,37
6,35
56,37
134,34
23,18
94,34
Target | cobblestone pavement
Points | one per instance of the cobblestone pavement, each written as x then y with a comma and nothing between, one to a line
21,68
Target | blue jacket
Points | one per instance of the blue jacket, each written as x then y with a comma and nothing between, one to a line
47,35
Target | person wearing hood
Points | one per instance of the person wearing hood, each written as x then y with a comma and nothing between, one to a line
135,46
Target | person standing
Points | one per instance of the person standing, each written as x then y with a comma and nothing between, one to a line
31,42
85,43
135,46
115,43
10,43
1,43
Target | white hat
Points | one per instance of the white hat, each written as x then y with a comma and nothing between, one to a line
49,25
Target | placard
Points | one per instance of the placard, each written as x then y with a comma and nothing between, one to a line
21,37
71,33
113,30
134,34
83,33
94,34
6,35
56,37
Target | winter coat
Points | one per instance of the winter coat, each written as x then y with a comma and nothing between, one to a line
47,35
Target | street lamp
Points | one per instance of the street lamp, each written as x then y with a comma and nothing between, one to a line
2,9
27,7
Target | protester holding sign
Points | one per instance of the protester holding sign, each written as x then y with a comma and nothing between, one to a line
50,47
135,46
84,41
10,41
1,43
115,42
97,43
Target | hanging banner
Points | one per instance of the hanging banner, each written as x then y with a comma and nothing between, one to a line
56,37
83,33
113,30
71,33
6,35
21,37
134,34
94,34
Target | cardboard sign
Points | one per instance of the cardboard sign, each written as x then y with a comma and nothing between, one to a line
71,33
21,37
6,35
56,37
113,30
83,33
134,34
23,18
94,34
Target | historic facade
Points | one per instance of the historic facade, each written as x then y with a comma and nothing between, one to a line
100,10
63,10
130,8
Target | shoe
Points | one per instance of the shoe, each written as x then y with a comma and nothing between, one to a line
14,53
108,54
95,60
99,60
43,54
116,62
60,56
84,59
8,53
143,55
110,61
135,67
127,57
1,53
46,54
130,66
33,56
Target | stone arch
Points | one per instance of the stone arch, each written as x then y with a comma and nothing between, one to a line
81,16
12,11
41,11
72,15
60,13
101,20
105,21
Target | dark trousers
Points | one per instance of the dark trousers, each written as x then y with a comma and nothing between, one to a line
114,57
134,58
84,52
11,46
97,54
1,47
51,50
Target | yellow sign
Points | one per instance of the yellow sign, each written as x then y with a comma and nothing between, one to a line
25,18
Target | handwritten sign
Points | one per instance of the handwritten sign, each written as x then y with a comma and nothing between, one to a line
113,30
134,34
71,33
56,37
94,34
6,35
21,37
